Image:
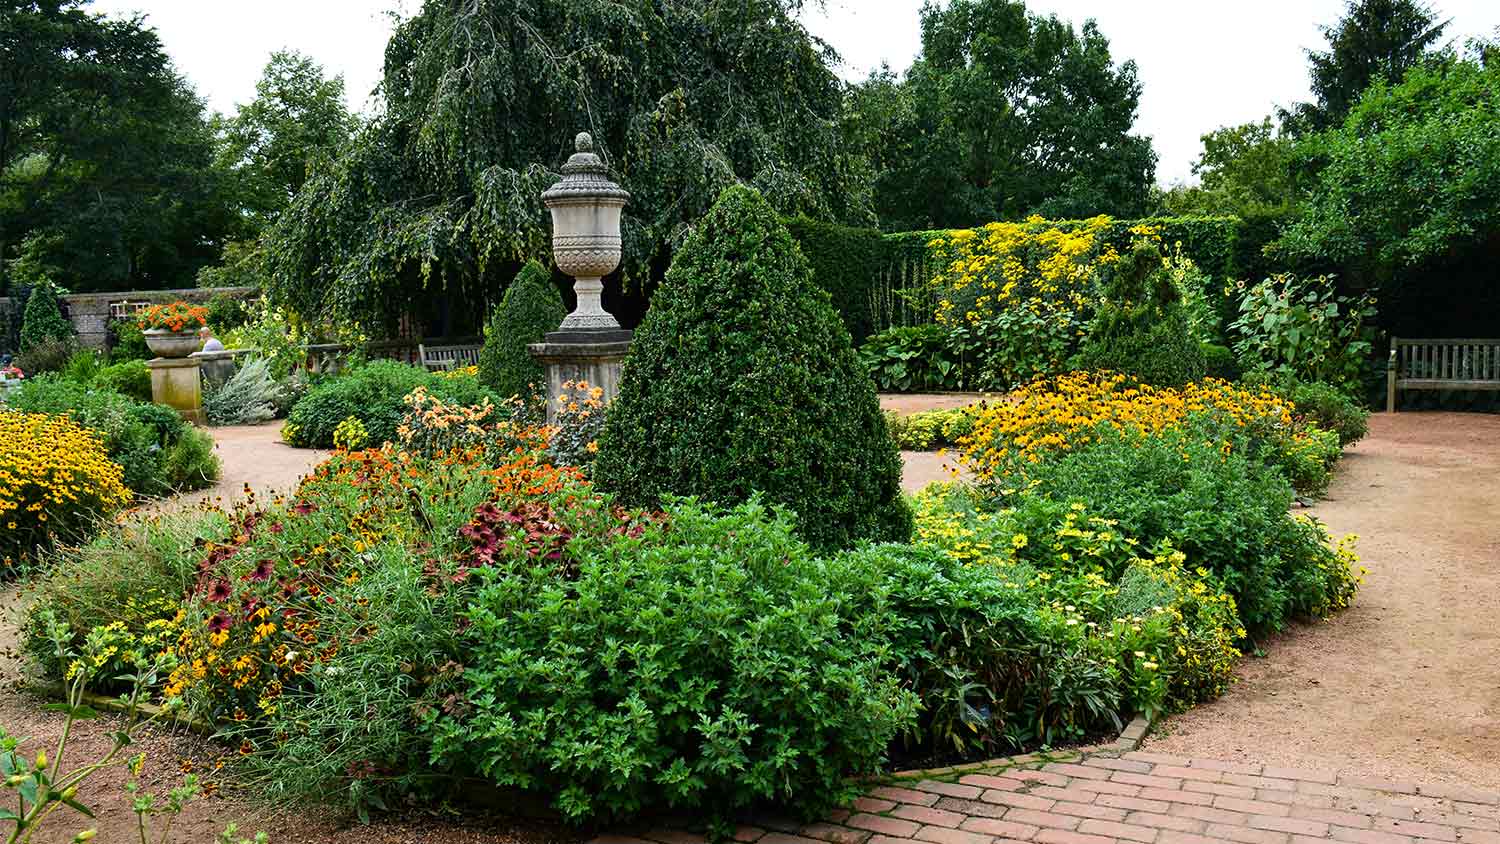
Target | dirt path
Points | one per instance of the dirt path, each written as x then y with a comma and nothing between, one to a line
1406,683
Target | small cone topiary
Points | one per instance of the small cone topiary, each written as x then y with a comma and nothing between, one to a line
43,320
742,378
1141,328
530,308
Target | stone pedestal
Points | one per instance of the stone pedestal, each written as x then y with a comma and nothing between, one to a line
178,384
572,356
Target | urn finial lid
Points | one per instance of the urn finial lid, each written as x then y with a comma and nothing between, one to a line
585,176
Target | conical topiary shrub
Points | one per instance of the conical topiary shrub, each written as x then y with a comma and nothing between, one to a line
43,319
530,308
1141,328
742,378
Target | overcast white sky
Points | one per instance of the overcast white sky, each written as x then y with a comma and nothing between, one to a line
1203,63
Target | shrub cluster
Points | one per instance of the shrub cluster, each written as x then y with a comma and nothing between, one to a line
1141,327
931,429
157,451
905,360
374,394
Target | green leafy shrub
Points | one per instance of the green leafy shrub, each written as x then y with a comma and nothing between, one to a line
227,313
530,308
742,378
374,394
43,319
247,398
83,366
1226,512
1219,362
845,262
127,342
928,430
137,436
751,688
46,356
1307,460
905,360
1302,328
190,462
1323,405
1141,328
131,378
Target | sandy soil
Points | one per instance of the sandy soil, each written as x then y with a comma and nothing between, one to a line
254,456
1406,683
919,402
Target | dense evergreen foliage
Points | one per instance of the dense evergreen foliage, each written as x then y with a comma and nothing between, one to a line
1140,328
743,379
530,308
43,319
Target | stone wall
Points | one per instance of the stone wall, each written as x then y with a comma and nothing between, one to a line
91,313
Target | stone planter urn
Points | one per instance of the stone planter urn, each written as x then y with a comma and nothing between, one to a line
172,344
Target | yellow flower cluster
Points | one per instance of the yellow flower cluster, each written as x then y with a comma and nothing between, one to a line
350,435
1062,413
1034,265
54,476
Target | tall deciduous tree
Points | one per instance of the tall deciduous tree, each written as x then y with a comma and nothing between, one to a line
296,120
483,100
105,158
1244,170
1005,113
1384,38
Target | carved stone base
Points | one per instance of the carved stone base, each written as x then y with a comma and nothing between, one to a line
178,384
599,360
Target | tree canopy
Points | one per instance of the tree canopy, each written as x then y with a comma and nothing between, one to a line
1244,171
106,178
1005,113
1412,175
483,100
1375,38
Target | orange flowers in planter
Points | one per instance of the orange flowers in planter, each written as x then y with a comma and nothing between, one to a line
177,316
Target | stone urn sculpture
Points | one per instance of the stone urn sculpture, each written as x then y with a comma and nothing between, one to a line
165,343
586,206
589,347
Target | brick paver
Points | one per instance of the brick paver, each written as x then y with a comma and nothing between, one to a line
1115,797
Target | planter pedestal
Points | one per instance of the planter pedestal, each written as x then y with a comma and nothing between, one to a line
178,384
593,356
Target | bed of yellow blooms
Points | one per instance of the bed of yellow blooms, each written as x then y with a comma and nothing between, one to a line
55,478
1061,414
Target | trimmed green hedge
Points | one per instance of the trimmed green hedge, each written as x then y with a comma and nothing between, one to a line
845,262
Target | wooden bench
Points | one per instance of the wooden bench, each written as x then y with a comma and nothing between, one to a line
440,358
1441,365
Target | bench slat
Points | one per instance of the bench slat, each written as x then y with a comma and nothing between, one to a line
1442,364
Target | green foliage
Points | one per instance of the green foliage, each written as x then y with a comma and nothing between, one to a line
82,367
131,378
682,99
1409,181
1141,327
106,161
759,685
530,308
43,318
845,262
127,342
139,437
909,360
742,378
1244,170
1219,362
1374,40
226,313
247,398
931,429
1227,512
374,394
1005,113
189,462
1301,328
291,127
1322,405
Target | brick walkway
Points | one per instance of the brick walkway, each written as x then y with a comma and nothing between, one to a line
1144,798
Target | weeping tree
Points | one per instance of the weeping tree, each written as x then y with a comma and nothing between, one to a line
483,99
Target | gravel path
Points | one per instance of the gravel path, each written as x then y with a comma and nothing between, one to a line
1406,683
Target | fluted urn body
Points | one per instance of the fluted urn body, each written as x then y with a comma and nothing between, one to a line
586,206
